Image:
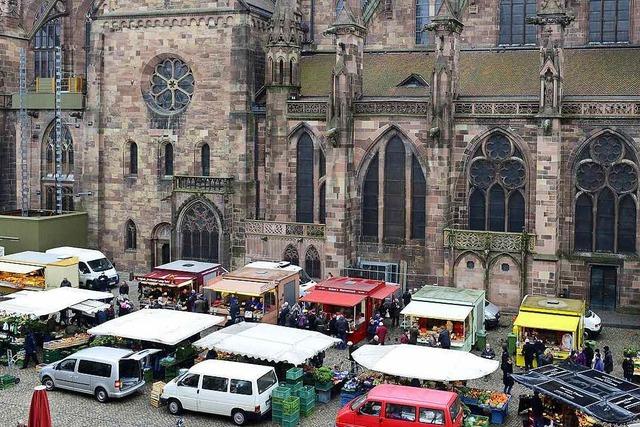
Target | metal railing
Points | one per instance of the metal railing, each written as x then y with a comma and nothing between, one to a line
292,229
489,240
202,184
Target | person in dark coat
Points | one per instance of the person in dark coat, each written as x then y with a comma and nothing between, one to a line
608,360
413,334
30,350
539,349
200,306
507,379
350,349
371,329
234,309
342,326
537,410
529,352
588,353
394,312
505,354
124,288
375,340
282,316
103,283
406,297
332,326
488,352
627,368
191,300
65,283
444,338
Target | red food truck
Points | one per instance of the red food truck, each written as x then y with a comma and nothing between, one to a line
199,272
357,299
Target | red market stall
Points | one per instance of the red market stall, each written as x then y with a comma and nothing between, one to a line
199,272
358,299
156,284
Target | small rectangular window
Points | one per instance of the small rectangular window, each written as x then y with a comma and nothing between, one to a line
97,369
395,411
215,383
241,387
431,416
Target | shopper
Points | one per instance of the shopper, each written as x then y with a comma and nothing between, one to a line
394,312
350,349
598,364
404,338
342,326
488,352
444,338
581,359
588,353
608,360
381,332
284,312
406,297
103,283
627,368
537,410
507,379
124,288
30,350
371,329
540,348
65,283
413,334
528,351
505,354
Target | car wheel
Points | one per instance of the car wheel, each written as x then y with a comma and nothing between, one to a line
101,395
48,383
238,417
174,406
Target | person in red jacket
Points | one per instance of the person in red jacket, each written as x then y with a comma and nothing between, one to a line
381,332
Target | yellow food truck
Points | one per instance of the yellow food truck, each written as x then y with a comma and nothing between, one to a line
558,322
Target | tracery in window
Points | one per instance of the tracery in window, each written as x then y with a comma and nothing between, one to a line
199,233
304,179
44,43
497,176
606,177
130,242
66,152
171,87
291,255
312,263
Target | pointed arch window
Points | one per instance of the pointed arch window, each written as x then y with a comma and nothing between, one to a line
606,177
291,255
403,211
205,160
67,159
199,233
168,159
130,241
304,179
514,29
133,158
497,178
44,43
312,263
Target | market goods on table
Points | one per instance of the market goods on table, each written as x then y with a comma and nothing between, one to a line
494,399
76,340
476,421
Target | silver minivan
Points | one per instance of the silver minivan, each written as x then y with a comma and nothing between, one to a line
104,372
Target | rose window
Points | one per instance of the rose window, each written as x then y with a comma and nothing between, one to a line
171,87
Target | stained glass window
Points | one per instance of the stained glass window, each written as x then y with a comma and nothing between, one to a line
418,200
370,200
497,178
606,176
171,87
133,158
394,189
304,179
130,242
45,41
514,29
66,153
291,255
312,263
609,21
168,159
199,233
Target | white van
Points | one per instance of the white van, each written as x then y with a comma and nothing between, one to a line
306,282
238,390
92,265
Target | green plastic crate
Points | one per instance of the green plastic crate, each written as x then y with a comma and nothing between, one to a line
307,393
307,412
294,423
280,393
291,405
291,417
294,374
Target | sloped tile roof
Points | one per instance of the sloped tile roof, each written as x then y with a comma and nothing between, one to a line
507,73
607,71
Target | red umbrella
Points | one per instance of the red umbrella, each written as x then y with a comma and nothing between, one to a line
39,413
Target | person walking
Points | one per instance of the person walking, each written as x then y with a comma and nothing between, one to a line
381,332
529,351
124,288
342,327
608,360
507,379
394,312
284,312
371,329
413,334
65,283
588,353
444,338
103,283
30,350
406,297
598,363
627,368
581,359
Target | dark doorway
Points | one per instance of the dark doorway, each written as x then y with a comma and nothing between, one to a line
166,253
603,288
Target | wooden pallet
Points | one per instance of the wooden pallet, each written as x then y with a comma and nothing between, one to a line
156,391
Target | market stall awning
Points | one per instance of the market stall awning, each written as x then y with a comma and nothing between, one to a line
90,307
168,327
424,363
602,396
551,322
268,342
50,301
434,310
240,287
340,299
9,267
384,291
163,278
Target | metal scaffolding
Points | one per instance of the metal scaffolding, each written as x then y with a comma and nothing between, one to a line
24,139
58,118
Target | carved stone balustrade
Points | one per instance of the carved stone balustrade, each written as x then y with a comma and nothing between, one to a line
288,229
489,241
202,184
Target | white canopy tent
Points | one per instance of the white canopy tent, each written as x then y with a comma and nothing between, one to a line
433,310
268,342
168,327
424,363
42,303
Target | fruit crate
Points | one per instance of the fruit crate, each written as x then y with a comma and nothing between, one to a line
307,394
290,420
307,412
296,387
290,405
280,393
294,374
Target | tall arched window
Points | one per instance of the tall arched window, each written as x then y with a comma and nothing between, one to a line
130,241
497,178
168,159
45,41
205,160
281,71
425,10
48,169
67,199
133,158
399,196
514,29
608,21
606,177
199,233
291,255
304,179
312,263
322,214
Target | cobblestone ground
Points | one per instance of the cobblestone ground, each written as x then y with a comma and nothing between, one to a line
75,410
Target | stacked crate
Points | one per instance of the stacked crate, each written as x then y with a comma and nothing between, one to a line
307,397
156,391
277,398
290,412
7,381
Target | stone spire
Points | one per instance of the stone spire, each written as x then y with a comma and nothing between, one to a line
285,42
285,28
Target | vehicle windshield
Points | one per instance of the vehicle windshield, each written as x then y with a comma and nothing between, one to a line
358,402
304,277
455,409
266,381
589,313
99,265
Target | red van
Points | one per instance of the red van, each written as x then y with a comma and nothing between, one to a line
389,405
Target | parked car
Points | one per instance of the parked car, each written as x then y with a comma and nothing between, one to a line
491,315
592,324
398,406
105,372
238,390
